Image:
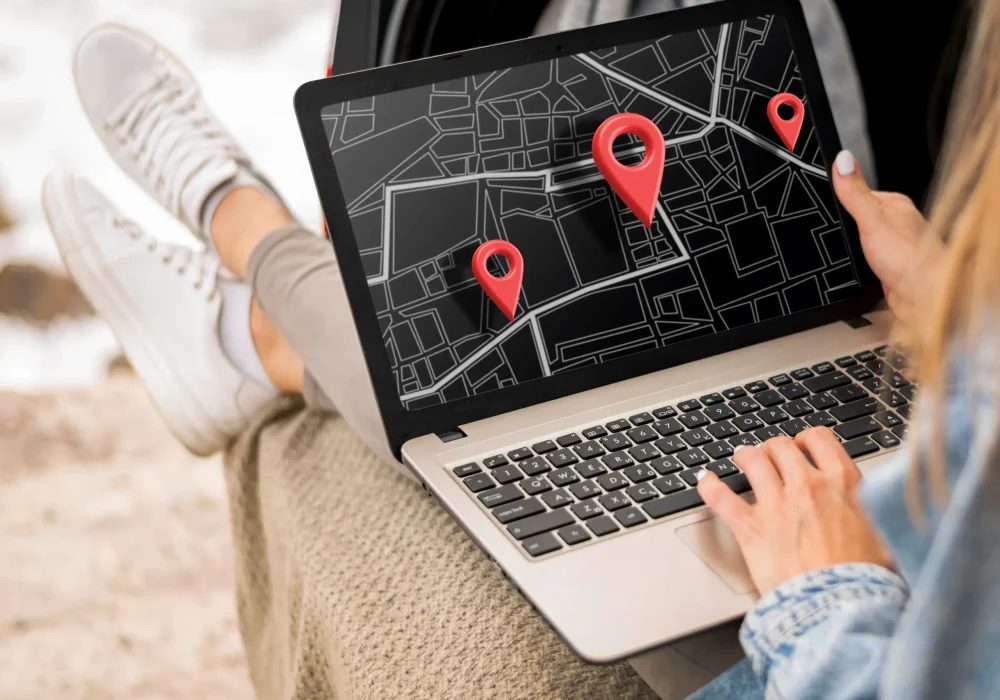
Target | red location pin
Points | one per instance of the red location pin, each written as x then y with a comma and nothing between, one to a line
788,129
637,185
506,290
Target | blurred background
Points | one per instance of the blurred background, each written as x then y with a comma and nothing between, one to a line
115,559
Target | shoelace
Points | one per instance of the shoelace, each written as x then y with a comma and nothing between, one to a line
201,269
172,135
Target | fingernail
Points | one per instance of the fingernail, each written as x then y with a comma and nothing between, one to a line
844,163
738,448
700,474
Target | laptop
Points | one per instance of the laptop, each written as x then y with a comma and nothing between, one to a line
565,441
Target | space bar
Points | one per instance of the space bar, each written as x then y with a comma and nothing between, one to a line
674,503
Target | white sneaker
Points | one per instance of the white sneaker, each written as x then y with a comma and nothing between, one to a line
162,303
148,110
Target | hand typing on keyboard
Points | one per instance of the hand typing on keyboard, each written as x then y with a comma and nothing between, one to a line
805,517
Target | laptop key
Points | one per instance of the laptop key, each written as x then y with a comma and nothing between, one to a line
860,446
876,366
544,446
573,534
630,517
569,440
846,394
765,434
897,380
908,392
536,524
769,398
722,430
711,399
536,485
534,466
693,457
642,434
585,510
520,454
845,361
694,438
738,483
667,465
719,412
585,490
744,405
735,392
893,398
900,431
557,499
467,470
821,401
888,419
640,493
797,408
616,426
793,427
479,482
689,405
860,373
825,382
639,473
563,477
508,474
595,432
754,387
885,438
614,501
802,373
617,460
501,496
772,416
668,426
723,468
664,412
669,484
695,419
875,385
748,439
612,481
689,476
602,525
591,468
865,356
905,411
560,458
857,428
780,380
495,461
856,409
589,449
748,423
641,419
793,391
643,453
670,445
541,544
615,441
718,450
881,350
820,419
517,510
823,367
674,503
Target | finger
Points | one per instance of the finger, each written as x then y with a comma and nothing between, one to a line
853,191
828,454
734,511
761,474
789,460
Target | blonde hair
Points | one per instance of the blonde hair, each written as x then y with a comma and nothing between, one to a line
966,213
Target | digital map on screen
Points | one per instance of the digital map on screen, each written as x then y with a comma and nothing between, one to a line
744,230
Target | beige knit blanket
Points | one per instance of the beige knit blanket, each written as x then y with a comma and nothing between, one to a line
352,583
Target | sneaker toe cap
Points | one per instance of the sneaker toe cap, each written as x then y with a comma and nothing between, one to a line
111,63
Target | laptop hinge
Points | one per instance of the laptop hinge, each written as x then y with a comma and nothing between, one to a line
858,322
451,435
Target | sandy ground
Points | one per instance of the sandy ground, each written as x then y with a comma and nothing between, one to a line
115,555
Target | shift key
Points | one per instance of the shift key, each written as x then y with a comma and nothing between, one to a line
540,523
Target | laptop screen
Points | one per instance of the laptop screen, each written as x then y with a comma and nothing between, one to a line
744,230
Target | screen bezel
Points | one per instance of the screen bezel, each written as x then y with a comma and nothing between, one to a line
402,424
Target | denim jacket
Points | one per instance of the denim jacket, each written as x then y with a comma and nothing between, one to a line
933,630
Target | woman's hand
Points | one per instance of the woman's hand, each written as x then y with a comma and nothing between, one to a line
893,235
805,518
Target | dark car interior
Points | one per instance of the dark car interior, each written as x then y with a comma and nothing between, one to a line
907,58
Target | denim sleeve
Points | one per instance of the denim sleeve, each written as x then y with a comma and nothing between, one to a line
825,634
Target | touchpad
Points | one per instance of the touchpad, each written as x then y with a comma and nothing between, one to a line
715,545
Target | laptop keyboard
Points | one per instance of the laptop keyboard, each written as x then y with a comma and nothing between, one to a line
559,493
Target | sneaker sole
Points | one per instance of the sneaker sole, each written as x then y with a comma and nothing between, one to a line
176,402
